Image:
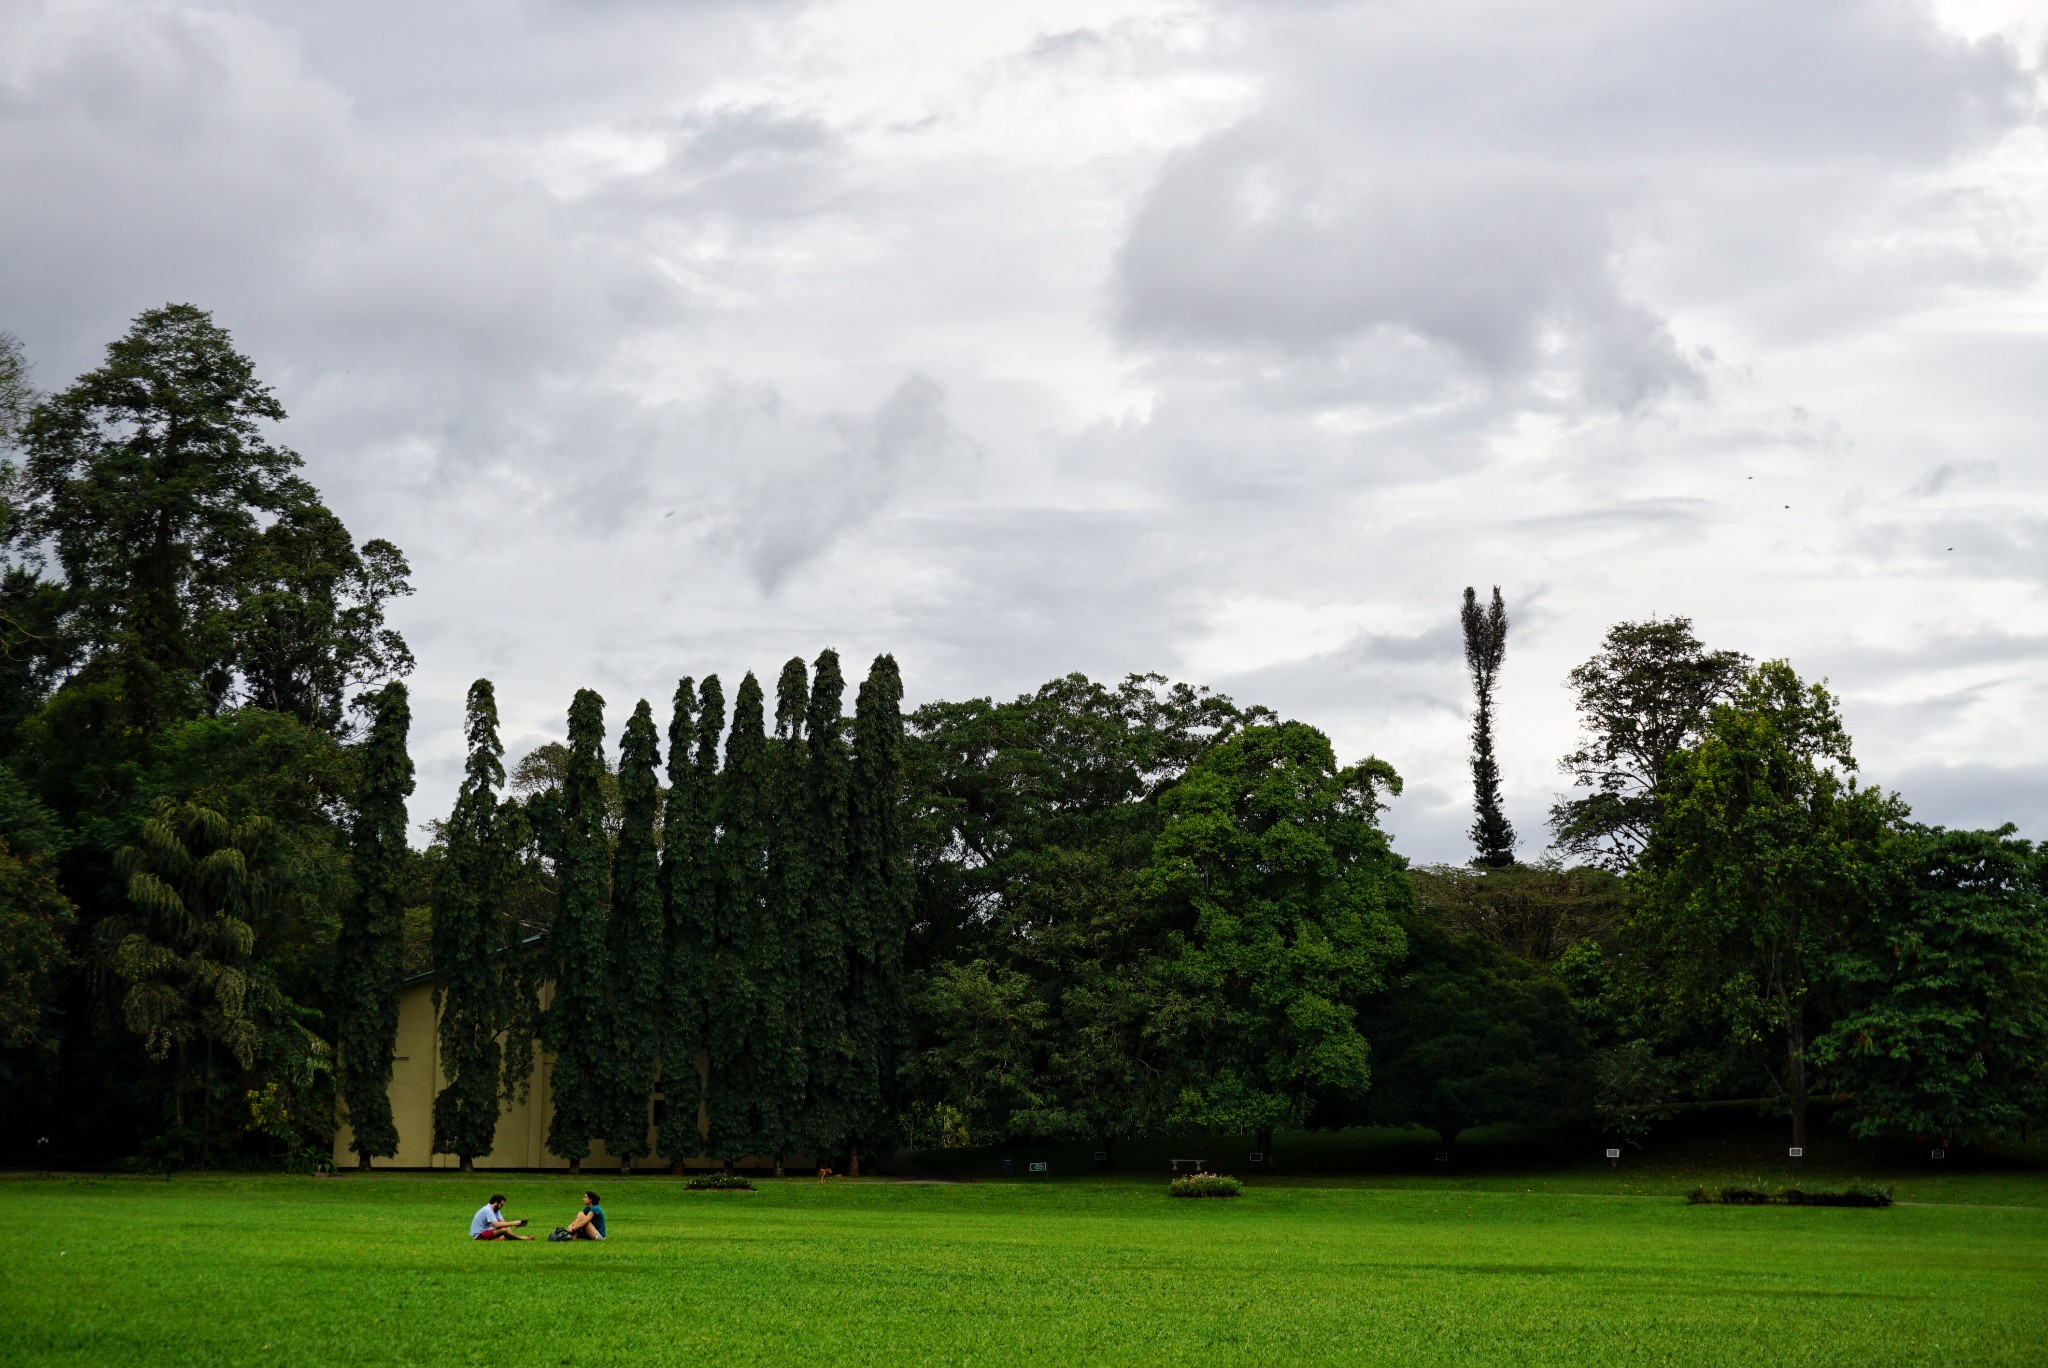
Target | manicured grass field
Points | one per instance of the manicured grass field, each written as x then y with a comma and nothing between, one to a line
1387,1270
1410,1271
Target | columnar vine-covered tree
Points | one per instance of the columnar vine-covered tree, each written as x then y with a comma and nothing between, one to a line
828,917
777,962
740,883
467,940
636,941
578,1023
1486,645
878,867
373,928
689,830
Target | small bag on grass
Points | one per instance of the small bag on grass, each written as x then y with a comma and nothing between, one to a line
559,1233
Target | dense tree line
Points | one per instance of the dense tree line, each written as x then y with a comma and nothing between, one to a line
202,766
779,925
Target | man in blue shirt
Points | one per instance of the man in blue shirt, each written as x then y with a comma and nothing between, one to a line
489,1222
589,1223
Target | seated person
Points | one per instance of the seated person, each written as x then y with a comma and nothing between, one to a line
589,1223
489,1222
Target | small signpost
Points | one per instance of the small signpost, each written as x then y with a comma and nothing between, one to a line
1937,1154
1613,1157
1102,1156
1038,1167
1796,1152
1258,1156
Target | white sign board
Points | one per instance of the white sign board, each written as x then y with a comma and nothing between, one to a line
1038,1168
1796,1152
1614,1154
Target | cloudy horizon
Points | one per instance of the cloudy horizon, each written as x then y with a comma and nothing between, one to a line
1222,340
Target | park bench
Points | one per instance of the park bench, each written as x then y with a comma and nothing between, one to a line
1194,1164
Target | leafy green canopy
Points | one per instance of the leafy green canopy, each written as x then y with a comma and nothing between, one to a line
198,567
1945,1029
1040,960
1470,1035
1764,852
1288,894
1641,700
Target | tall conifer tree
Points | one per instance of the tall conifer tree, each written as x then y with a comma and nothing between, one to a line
689,827
829,919
879,870
467,929
1486,646
636,942
372,928
578,1020
740,886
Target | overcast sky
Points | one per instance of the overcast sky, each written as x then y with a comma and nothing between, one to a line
1228,341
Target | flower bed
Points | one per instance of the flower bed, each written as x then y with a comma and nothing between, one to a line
1204,1185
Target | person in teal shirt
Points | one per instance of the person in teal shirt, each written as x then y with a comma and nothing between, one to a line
589,1223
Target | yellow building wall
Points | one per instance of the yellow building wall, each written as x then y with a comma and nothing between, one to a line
416,1078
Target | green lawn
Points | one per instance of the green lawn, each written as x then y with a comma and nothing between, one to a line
1498,1269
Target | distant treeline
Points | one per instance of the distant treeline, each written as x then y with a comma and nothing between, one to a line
1095,912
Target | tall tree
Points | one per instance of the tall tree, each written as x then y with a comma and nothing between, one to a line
1945,1029
777,960
577,1026
469,989
740,887
1288,892
636,934
1042,981
1764,850
373,928
689,829
827,916
1641,700
879,875
181,530
1486,646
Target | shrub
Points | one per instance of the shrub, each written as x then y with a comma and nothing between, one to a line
1204,1185
1857,1194
1854,1195
719,1182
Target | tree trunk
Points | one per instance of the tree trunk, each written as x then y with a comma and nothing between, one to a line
575,1166
363,1161
468,1164
1263,1143
625,1165
1795,1070
853,1162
